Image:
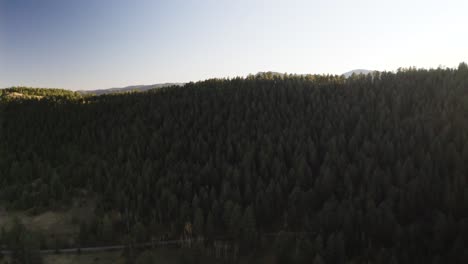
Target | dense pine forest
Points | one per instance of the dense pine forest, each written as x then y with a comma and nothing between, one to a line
366,169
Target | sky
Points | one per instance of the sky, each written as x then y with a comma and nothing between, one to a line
96,44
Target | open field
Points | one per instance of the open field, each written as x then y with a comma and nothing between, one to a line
48,222
57,222
52,224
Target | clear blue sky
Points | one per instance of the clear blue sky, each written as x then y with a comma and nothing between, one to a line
89,44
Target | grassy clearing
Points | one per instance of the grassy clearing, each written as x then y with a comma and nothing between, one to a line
60,224
56,223
51,222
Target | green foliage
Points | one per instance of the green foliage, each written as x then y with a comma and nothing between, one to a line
191,257
369,168
198,222
141,234
26,93
146,258
284,247
24,244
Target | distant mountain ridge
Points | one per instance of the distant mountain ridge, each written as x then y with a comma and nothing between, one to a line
142,88
357,71
137,88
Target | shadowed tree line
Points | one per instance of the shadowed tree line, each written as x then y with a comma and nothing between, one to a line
371,168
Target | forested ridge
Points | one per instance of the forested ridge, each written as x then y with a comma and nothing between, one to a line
371,168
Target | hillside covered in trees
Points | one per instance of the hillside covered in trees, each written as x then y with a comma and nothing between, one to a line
366,169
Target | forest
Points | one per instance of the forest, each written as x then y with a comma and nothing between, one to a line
367,169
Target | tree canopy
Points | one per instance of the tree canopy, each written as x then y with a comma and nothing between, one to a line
371,168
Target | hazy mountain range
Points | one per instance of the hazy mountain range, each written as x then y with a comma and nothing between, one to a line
139,88
357,71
